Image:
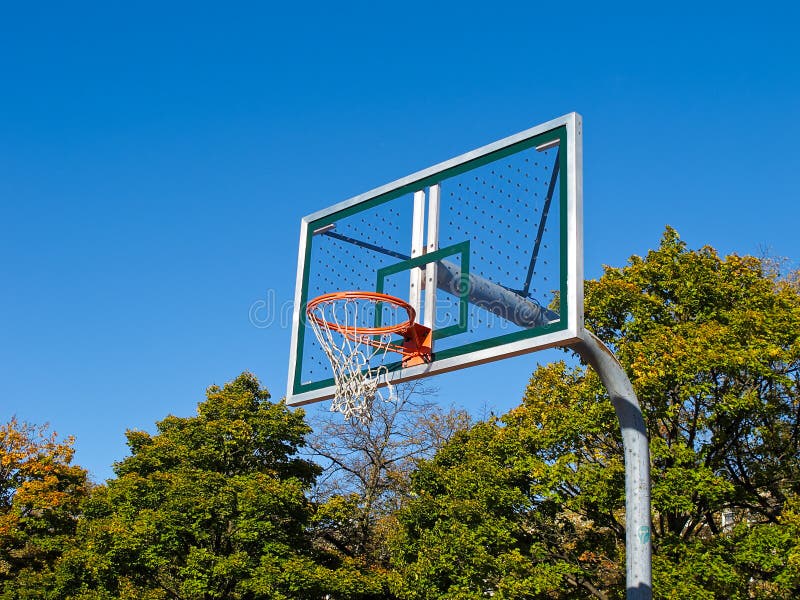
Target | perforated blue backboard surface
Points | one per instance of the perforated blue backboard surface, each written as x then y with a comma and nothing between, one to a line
487,246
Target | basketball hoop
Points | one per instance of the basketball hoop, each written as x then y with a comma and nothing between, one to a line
357,350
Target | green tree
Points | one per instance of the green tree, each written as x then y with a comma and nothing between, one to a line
211,506
40,495
532,506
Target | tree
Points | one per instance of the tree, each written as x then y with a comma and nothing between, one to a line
368,467
40,495
211,506
531,506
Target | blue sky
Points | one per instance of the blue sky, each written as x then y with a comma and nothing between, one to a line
156,159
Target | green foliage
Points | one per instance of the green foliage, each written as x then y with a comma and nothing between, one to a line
494,514
532,505
210,507
195,506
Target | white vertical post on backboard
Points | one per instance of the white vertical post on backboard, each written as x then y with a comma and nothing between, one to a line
432,245
417,248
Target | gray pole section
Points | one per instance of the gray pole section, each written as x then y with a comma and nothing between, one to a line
638,548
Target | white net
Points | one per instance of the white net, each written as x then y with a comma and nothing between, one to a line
357,360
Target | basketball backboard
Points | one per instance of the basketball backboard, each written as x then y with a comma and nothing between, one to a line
486,246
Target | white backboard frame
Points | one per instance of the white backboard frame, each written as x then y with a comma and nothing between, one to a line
571,332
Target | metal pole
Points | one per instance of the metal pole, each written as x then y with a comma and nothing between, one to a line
638,546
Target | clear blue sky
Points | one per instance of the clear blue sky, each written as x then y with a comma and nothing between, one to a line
156,159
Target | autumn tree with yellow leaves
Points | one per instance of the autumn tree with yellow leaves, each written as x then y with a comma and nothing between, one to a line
40,496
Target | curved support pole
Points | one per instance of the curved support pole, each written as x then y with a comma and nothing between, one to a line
638,547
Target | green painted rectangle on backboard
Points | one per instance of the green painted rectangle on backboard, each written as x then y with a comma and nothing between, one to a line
462,292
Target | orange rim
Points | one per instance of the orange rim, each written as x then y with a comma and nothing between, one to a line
364,334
